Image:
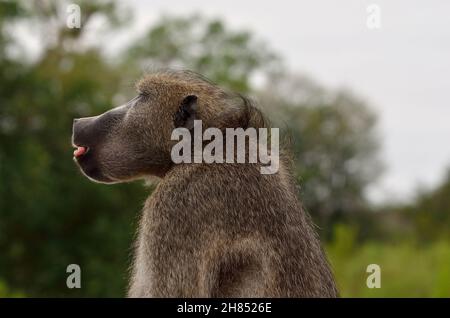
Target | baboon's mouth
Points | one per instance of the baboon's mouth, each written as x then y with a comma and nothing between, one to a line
80,151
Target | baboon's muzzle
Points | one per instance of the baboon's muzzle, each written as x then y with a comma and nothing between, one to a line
87,134
91,136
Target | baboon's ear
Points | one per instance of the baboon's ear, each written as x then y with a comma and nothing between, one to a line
186,113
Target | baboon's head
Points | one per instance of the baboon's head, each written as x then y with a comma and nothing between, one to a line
134,140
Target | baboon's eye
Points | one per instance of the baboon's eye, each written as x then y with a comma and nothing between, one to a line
142,97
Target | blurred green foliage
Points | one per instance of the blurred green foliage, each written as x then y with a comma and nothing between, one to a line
206,46
51,216
431,212
334,146
408,269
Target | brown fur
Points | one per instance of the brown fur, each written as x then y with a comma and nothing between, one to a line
208,230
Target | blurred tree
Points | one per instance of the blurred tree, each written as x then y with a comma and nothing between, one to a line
431,212
51,217
229,58
334,146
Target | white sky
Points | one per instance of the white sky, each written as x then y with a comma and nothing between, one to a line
402,69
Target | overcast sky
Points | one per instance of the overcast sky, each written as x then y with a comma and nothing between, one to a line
402,69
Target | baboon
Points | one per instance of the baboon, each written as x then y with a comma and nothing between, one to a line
207,230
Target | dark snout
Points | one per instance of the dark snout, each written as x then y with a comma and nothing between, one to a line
87,136
90,131
93,138
83,132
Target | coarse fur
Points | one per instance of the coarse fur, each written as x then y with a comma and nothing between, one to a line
208,230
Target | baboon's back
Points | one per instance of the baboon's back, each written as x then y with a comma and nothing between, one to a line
225,230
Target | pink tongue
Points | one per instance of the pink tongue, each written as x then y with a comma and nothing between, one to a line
79,151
